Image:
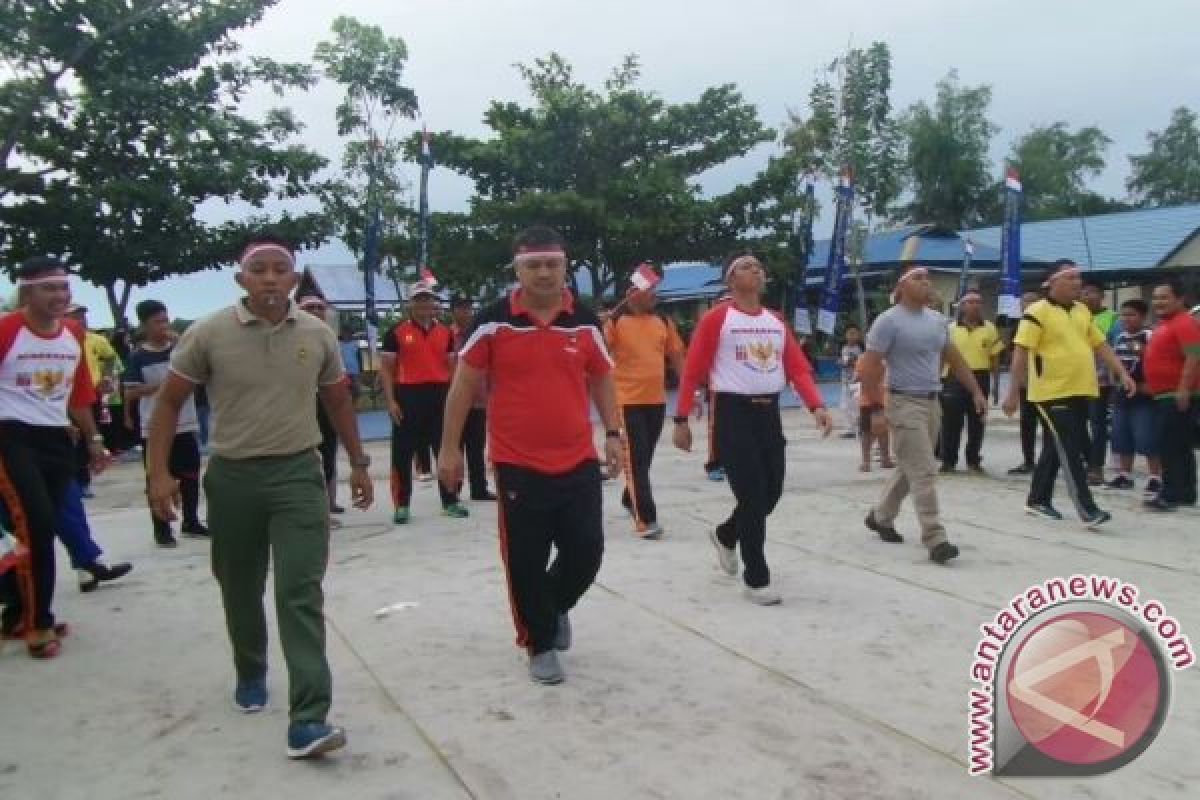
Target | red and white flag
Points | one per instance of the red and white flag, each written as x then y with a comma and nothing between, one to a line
1012,180
427,277
645,278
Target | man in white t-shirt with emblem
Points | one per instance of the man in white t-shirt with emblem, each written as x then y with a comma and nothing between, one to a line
44,387
746,355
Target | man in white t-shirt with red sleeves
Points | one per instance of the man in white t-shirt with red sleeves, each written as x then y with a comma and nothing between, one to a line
746,355
44,387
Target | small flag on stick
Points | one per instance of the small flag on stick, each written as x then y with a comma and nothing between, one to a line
645,278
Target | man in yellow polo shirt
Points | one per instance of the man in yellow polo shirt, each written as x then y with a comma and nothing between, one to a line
980,344
642,341
1055,347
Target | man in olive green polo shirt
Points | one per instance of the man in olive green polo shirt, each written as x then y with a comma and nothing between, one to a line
262,360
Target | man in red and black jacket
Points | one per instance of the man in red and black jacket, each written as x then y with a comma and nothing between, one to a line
44,387
746,355
417,356
544,358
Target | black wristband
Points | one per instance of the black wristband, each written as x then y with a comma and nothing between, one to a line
612,434
680,420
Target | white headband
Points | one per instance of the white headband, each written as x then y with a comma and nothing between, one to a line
255,249
43,280
1062,273
733,264
915,271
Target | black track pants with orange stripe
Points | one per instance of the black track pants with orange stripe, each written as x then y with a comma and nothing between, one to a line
643,426
537,512
36,465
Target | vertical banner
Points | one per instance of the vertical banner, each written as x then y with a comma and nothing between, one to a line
835,268
964,277
423,212
370,264
1010,248
802,246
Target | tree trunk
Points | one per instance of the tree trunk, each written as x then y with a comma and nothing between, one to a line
117,304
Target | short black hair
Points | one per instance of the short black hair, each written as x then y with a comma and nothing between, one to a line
147,309
462,301
36,266
1174,284
538,235
851,326
1137,304
1095,284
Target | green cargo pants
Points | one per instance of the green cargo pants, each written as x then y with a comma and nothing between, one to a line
259,508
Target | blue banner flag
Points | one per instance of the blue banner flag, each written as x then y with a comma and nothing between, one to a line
835,268
1010,249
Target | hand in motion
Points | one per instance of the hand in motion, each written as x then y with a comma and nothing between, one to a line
824,422
450,469
362,488
161,491
681,437
613,456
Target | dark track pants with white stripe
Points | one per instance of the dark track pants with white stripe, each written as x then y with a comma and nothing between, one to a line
537,512
36,465
1066,421
643,426
750,440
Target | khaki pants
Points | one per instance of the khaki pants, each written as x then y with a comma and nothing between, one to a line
914,423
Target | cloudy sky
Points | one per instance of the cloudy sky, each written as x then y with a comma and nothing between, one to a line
1119,65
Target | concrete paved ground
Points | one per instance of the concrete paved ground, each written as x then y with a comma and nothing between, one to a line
678,688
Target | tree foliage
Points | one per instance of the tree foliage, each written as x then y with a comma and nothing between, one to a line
370,65
850,124
949,172
112,165
1055,166
615,169
1169,173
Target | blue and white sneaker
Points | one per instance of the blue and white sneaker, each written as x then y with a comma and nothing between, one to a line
250,697
312,739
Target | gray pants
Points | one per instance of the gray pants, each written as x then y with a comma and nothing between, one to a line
914,423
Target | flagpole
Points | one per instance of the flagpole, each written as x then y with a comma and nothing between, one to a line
965,275
835,268
1010,249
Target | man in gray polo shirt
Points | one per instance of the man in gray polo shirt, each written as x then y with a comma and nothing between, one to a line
262,361
913,341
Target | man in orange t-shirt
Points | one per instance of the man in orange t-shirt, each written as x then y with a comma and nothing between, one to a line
641,342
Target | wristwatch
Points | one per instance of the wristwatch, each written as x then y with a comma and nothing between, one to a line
680,420
364,462
613,434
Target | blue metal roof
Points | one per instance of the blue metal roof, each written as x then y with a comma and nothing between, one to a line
1125,240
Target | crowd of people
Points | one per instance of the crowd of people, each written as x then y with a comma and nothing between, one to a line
507,392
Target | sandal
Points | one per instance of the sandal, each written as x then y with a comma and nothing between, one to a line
44,645
60,630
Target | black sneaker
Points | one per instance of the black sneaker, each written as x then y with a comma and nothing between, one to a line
886,532
1120,482
334,508
1024,469
483,497
1096,518
976,469
1152,488
946,469
165,539
943,552
91,577
195,529
1043,510
1158,504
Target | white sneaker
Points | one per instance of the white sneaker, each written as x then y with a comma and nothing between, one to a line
763,596
726,556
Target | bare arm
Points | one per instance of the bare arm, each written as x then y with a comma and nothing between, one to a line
676,361
160,486
464,388
872,373
387,373
136,391
961,371
604,395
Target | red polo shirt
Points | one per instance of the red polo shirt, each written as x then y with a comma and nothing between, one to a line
422,356
539,409
1173,341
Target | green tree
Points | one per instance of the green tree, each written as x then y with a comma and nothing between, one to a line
850,125
946,156
1169,173
370,65
616,170
145,131
1055,165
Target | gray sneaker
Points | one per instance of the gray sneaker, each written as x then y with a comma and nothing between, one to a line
763,596
653,531
562,636
726,556
545,669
